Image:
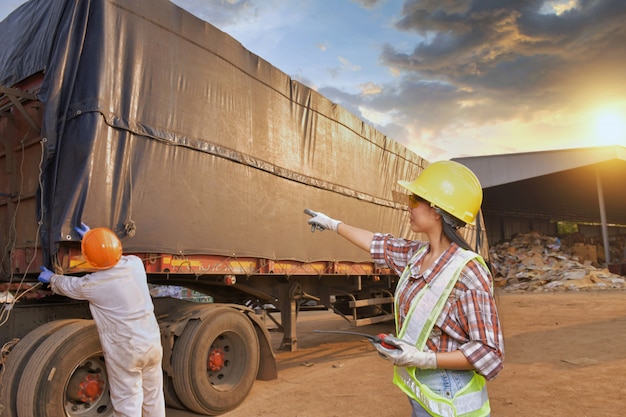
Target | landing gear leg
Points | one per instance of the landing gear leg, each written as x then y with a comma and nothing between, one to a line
288,315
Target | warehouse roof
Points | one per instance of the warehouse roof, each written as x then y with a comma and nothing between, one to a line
569,184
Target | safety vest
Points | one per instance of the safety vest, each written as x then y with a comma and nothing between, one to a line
425,308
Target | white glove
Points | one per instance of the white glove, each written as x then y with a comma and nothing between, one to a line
320,221
406,354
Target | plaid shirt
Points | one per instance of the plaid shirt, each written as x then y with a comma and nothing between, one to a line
469,321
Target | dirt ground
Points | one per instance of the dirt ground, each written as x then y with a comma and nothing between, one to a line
565,356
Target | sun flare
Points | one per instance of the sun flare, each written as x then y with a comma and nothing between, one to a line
609,127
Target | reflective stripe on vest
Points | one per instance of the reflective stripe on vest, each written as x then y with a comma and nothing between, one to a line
471,400
431,299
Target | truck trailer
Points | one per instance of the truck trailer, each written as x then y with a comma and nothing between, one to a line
201,156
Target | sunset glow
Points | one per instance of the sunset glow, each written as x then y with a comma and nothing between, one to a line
609,126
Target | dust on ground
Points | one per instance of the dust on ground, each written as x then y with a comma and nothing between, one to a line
565,356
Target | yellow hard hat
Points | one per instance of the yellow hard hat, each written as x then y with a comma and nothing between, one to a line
101,248
450,186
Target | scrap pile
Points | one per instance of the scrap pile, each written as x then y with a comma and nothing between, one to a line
535,262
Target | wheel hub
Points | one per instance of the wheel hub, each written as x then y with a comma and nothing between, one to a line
216,359
86,387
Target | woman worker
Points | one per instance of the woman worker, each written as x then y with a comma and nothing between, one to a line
449,340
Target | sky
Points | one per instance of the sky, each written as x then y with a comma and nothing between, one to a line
448,78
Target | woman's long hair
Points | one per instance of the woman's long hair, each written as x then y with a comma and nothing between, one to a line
451,225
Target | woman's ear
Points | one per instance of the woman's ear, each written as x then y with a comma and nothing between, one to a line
437,213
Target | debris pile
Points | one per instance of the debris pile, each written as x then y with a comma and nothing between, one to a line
535,262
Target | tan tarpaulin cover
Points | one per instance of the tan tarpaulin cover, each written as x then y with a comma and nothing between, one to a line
160,123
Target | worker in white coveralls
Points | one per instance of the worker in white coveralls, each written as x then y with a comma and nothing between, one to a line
449,340
120,303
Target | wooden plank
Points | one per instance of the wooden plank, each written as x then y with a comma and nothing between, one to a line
371,302
371,320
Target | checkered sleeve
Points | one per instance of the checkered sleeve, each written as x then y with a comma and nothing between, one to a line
479,317
395,253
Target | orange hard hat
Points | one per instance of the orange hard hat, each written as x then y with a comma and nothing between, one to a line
101,248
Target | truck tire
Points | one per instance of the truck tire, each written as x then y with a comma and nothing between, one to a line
66,376
18,357
171,398
215,362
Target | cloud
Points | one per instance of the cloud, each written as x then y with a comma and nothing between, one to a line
369,4
222,12
347,65
483,63
370,88
514,47
323,46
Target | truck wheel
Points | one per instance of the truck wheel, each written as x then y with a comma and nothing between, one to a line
19,356
215,362
171,398
66,376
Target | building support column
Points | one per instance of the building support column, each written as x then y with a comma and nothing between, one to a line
605,228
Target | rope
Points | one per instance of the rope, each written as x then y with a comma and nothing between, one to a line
7,305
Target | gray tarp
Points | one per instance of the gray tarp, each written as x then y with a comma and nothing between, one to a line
157,121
